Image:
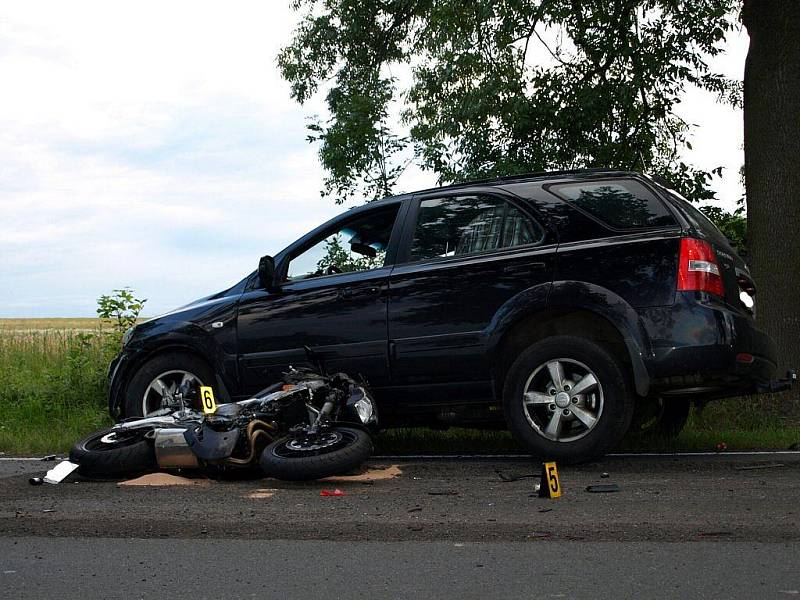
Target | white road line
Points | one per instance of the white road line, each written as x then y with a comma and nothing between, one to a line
32,458
525,456
631,455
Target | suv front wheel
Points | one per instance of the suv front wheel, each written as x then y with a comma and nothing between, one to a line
566,398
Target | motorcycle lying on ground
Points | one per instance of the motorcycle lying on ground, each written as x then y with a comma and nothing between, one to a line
308,426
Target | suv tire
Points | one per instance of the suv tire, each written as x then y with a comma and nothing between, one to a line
172,362
605,407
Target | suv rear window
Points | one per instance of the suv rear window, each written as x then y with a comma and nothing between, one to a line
621,204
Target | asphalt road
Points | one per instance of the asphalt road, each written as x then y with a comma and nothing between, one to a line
717,527
118,568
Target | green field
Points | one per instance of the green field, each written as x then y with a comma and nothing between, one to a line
52,390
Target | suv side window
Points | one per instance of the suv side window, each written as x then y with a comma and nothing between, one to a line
459,225
622,204
358,245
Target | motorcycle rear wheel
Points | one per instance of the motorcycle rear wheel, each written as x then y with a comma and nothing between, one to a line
291,460
110,453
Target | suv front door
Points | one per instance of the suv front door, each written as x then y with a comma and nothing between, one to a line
332,297
464,255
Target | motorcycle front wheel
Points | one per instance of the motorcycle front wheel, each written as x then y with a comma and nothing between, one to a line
333,452
113,453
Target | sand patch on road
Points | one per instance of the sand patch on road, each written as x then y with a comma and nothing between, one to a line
377,474
164,479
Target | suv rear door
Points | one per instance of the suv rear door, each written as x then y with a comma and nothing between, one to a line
464,254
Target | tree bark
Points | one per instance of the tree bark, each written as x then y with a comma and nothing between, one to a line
772,169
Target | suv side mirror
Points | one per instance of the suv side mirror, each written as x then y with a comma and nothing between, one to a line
266,273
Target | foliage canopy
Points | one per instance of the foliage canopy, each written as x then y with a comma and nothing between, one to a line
478,88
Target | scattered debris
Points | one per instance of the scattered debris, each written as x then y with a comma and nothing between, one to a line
49,510
758,467
415,527
603,488
415,509
260,494
368,476
539,534
48,458
721,447
336,492
60,472
163,479
509,478
544,510
603,475
715,533
443,493
36,481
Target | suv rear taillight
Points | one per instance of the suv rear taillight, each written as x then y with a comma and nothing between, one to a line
698,270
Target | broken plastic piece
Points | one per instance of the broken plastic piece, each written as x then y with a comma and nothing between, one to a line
336,492
603,488
36,481
60,472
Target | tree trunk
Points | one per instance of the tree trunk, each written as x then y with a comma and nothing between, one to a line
772,169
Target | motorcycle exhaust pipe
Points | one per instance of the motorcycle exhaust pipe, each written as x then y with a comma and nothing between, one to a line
172,450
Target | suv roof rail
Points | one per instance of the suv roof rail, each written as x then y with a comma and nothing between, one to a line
533,175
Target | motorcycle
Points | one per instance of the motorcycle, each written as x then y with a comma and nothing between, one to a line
308,426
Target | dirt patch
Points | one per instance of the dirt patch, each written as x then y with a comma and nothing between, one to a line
164,479
377,474
261,494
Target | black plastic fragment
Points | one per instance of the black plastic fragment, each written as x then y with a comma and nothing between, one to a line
604,488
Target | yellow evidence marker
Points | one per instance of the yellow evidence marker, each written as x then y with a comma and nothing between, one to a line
207,400
550,484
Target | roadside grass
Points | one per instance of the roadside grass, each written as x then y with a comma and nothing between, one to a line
52,386
53,378
691,439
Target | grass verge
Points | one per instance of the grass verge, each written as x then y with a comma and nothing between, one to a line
52,391
52,385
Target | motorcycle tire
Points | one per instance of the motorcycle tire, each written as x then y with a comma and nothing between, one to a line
108,453
285,459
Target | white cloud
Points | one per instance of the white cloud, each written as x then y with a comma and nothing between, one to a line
155,145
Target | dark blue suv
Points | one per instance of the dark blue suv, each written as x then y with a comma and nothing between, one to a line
567,305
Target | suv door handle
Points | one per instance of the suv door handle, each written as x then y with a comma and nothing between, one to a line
523,267
348,292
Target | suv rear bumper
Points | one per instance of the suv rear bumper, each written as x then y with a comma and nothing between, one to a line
701,346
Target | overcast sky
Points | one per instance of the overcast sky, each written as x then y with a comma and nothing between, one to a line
154,145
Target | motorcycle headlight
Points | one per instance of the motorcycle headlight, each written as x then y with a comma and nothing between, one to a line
364,409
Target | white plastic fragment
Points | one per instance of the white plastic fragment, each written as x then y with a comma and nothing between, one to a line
60,472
